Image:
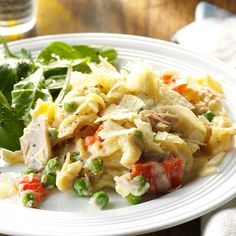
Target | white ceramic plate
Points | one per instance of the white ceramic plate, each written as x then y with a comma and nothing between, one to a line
64,214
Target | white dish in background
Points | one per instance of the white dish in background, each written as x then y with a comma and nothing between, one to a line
64,214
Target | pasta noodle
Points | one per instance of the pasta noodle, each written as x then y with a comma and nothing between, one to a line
137,131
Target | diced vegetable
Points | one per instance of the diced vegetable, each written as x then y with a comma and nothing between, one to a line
29,189
53,133
28,171
99,200
209,115
96,165
92,139
139,185
70,106
133,199
49,180
168,78
174,171
75,156
51,166
172,79
138,134
146,170
131,188
81,187
180,87
28,199
162,176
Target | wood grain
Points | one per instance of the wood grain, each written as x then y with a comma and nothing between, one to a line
153,18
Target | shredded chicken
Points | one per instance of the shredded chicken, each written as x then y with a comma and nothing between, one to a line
159,121
206,99
35,143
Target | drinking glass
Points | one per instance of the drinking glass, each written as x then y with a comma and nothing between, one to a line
17,16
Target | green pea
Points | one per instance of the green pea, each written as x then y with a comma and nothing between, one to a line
53,133
74,156
28,171
49,180
70,106
51,166
133,199
141,181
138,134
99,199
138,137
96,165
140,185
81,187
28,199
209,115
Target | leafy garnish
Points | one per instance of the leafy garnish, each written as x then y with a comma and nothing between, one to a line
94,52
11,73
66,86
27,92
24,80
7,52
11,129
7,80
58,51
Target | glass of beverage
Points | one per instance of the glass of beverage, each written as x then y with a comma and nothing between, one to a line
17,16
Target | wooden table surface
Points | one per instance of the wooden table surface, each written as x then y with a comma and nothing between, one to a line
154,18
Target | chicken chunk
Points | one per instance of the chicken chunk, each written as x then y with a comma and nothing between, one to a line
159,121
35,143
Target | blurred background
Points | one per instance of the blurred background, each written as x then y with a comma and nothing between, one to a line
154,18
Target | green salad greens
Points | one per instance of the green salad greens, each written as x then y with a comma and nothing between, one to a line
24,80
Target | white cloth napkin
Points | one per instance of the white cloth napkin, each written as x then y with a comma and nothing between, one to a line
213,32
214,35
221,222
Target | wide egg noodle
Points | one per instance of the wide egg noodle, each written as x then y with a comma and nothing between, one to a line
107,124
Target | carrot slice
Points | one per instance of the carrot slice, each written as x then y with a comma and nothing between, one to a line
94,138
180,87
30,183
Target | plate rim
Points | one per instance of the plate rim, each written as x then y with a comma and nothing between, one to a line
119,35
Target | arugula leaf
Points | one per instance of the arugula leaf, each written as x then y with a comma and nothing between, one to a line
11,129
108,52
26,55
56,51
7,80
66,86
11,73
7,52
94,52
3,100
54,84
87,51
55,73
60,50
27,92
25,69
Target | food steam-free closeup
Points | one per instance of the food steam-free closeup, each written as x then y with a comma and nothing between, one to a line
82,125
